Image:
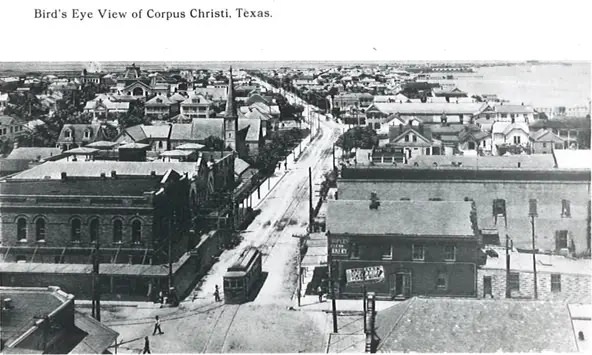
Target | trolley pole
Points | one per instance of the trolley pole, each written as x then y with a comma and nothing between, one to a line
364,299
96,297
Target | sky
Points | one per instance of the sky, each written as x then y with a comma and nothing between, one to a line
300,30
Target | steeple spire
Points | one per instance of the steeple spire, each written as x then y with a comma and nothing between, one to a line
230,117
230,104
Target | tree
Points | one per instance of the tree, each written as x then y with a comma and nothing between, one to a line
357,137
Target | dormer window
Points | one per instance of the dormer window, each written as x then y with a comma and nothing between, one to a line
87,133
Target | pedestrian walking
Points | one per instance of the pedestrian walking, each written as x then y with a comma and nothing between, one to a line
157,326
146,346
217,294
320,293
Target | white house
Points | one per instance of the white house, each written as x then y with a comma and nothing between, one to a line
509,134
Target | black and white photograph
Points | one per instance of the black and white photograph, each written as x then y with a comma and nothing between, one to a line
315,177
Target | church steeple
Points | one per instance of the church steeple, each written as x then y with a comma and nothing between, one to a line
230,116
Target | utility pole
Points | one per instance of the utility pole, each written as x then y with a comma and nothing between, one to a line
364,299
533,213
96,297
508,290
299,268
333,156
331,286
170,237
310,209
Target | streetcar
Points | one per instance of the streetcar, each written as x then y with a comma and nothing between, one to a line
243,277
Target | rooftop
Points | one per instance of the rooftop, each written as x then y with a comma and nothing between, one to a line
533,161
475,326
431,218
33,153
545,263
430,108
53,170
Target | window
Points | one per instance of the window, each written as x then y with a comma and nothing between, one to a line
442,281
75,230
499,207
417,252
414,138
555,282
406,138
471,145
136,232
514,281
560,239
94,230
159,144
405,199
21,229
435,199
532,207
450,253
544,145
117,231
40,230
354,251
67,134
516,139
87,134
565,210
387,252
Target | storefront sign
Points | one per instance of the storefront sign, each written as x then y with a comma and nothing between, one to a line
339,247
367,274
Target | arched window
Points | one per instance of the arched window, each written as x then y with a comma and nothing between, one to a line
117,231
75,229
136,232
94,230
21,229
40,230
138,92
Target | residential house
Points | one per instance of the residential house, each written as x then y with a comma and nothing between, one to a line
411,141
575,131
78,135
429,112
544,141
43,320
390,98
10,128
450,94
506,137
508,113
345,100
473,141
436,255
161,106
157,136
197,106
104,106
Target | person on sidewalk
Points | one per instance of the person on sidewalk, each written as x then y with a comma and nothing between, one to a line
157,326
320,293
146,346
217,294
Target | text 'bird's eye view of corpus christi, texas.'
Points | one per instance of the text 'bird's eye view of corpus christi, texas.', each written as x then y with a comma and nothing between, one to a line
286,207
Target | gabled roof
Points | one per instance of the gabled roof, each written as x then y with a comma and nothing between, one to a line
505,108
196,99
136,84
253,126
7,120
202,128
429,108
33,153
176,97
159,100
546,135
422,141
77,132
475,326
430,218
181,131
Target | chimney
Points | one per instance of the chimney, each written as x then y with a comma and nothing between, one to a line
103,176
114,174
7,304
64,176
153,173
374,201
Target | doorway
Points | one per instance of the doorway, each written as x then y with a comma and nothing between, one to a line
400,285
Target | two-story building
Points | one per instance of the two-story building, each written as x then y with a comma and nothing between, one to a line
160,107
434,112
78,135
197,106
10,128
436,255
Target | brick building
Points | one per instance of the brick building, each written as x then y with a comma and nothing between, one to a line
60,220
562,197
436,254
